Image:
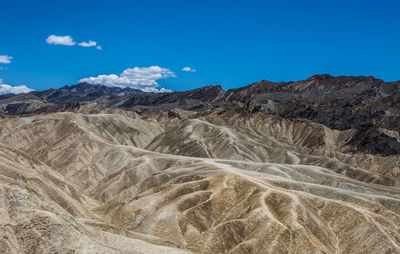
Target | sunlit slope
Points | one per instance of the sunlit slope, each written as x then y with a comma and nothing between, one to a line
215,182
78,145
233,134
41,212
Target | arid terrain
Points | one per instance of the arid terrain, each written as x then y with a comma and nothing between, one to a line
310,166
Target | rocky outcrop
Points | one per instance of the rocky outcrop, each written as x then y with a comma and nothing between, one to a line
340,103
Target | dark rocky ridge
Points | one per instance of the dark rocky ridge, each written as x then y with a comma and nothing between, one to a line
52,99
360,103
370,139
367,105
316,89
192,99
82,92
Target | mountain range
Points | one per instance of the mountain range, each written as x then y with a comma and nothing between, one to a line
311,166
364,104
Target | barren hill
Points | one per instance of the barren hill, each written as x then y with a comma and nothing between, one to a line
96,179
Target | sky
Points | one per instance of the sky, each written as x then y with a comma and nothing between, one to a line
180,45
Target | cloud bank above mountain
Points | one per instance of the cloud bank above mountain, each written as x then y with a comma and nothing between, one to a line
7,89
142,78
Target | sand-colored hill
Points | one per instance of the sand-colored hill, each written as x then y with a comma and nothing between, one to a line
221,181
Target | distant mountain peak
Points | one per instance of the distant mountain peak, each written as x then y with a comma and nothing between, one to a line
320,77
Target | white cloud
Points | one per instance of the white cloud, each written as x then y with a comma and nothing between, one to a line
188,69
90,44
69,41
4,59
6,89
143,78
165,90
60,40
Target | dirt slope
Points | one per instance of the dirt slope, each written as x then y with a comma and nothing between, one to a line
219,181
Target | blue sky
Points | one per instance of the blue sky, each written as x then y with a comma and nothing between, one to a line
229,43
